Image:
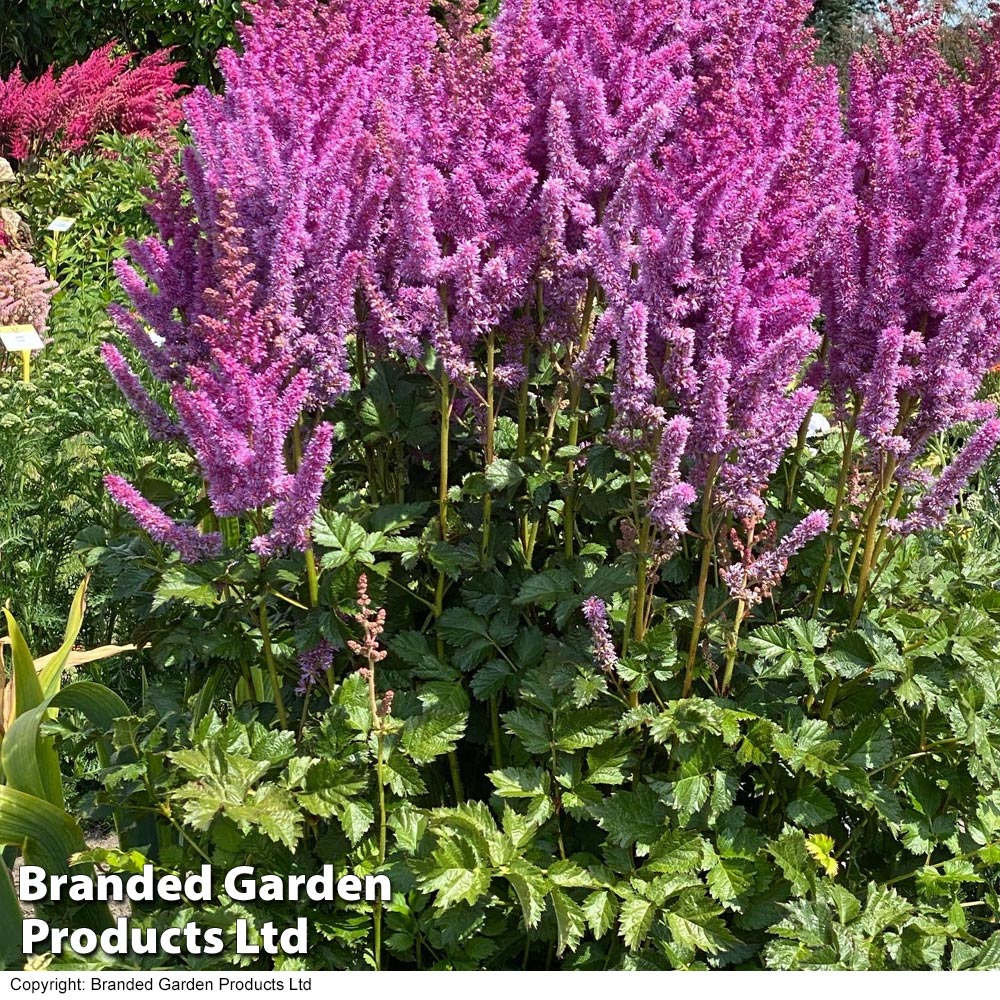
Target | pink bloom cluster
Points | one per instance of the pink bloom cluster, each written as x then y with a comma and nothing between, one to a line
25,290
595,613
236,392
704,254
458,248
762,563
662,191
104,93
911,285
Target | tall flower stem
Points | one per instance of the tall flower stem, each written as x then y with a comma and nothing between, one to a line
489,436
546,450
312,573
445,402
575,396
641,593
796,460
378,728
272,667
522,411
801,439
732,646
872,534
444,447
488,456
883,537
522,449
707,552
838,506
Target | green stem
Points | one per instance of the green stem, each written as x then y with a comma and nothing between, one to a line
800,445
852,559
495,730
575,395
312,578
272,667
312,574
641,593
544,458
445,403
522,444
378,728
707,551
456,777
732,646
872,534
883,537
489,442
831,539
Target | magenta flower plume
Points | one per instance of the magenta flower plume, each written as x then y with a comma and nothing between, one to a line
294,512
932,508
669,496
461,237
161,427
637,418
705,243
763,563
911,283
190,544
105,93
372,624
606,82
595,612
811,526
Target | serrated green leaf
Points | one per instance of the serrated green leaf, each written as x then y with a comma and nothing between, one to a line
600,911
636,920
570,921
528,883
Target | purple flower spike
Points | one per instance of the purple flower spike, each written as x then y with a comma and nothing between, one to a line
191,544
294,512
595,611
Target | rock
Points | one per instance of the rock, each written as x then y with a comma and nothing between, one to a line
6,173
15,227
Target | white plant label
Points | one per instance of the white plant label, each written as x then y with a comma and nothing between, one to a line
61,224
20,338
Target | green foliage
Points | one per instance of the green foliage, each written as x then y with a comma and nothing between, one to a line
32,814
103,190
61,432
836,806
44,32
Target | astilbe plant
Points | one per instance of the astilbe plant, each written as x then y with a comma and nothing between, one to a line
702,251
910,285
595,228
104,93
459,247
25,290
243,303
